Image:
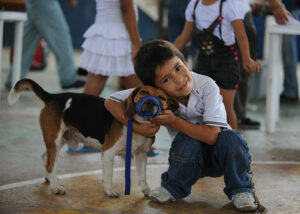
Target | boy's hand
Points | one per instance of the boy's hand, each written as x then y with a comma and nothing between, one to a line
166,118
148,130
251,65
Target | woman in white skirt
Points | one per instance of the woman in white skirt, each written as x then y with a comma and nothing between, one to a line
110,45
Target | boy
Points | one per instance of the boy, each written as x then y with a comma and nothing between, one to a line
203,143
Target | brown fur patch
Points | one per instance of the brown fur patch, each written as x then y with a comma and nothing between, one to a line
22,86
129,105
50,121
154,92
114,134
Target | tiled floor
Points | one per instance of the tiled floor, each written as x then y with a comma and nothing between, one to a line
276,159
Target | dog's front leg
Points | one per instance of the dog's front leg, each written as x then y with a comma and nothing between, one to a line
107,160
141,162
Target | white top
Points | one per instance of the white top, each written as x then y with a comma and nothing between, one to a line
205,106
206,14
246,5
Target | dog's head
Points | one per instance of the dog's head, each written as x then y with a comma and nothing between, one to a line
153,101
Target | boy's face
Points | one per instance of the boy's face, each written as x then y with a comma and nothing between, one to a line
175,79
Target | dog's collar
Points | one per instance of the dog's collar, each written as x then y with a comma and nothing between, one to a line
139,105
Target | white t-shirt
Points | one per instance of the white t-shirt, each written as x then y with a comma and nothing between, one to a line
246,5
206,14
205,106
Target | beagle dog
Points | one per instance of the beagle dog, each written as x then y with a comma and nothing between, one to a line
75,119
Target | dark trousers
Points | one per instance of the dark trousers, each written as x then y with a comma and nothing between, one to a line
242,94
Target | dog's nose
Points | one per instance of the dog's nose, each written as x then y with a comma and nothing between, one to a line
150,103
150,106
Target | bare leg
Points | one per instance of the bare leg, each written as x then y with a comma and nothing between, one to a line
131,81
228,99
94,84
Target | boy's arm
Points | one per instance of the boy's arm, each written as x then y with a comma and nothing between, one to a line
203,133
118,111
248,64
185,36
129,17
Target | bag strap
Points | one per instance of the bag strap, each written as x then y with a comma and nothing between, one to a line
217,21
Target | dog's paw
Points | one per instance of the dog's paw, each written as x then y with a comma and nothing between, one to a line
145,188
146,191
112,193
58,190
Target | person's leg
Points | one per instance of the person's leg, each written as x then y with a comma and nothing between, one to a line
176,21
31,38
231,156
186,159
94,84
290,59
176,18
51,23
228,100
131,81
242,94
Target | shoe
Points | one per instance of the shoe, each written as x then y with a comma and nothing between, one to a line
84,150
82,72
7,86
288,99
153,153
244,201
76,84
161,195
247,123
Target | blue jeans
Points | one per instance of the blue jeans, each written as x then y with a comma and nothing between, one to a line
46,21
191,159
290,59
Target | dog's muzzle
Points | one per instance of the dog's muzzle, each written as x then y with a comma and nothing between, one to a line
148,107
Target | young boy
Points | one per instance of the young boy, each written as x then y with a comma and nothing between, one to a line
203,143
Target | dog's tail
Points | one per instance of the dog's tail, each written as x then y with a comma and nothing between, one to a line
23,84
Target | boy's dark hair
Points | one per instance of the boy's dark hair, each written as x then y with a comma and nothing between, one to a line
151,55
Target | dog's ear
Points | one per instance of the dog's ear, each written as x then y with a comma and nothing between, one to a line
129,104
172,104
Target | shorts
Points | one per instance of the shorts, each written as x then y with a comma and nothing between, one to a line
223,67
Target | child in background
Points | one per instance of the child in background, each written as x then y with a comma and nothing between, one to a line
110,46
218,56
203,143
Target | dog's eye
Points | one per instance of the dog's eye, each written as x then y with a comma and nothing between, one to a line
143,92
162,98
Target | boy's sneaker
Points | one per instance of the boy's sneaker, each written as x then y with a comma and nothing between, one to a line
161,195
244,201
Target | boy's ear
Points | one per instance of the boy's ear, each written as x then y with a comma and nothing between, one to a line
129,104
172,104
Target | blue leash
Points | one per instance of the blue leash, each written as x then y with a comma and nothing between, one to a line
138,109
128,157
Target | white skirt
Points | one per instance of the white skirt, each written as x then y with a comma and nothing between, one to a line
107,50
